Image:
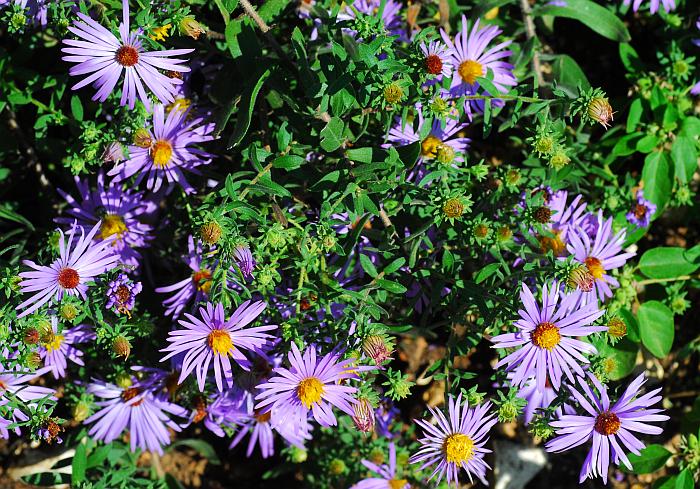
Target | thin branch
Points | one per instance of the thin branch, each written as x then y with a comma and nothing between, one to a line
532,34
253,14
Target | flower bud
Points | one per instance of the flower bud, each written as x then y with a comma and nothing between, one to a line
445,154
504,233
508,411
453,208
393,93
544,145
190,27
81,411
142,138
337,467
298,455
513,177
124,380
31,336
33,360
68,312
376,456
376,347
617,328
481,230
581,278
121,346
363,415
559,159
210,232
599,110
439,107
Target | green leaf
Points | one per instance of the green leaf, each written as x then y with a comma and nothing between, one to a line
656,327
79,464
231,34
486,272
635,115
685,157
623,354
657,175
569,75
76,107
270,9
362,155
666,262
630,58
368,266
288,162
651,459
598,18
394,265
685,480
391,286
204,448
332,135
632,325
245,112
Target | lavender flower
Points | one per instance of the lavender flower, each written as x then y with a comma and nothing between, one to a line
60,348
226,410
311,385
391,15
456,442
653,5
438,60
387,475
104,57
537,400
472,58
145,414
609,427
70,273
641,213
244,261
195,286
14,381
121,294
559,219
695,89
120,212
166,152
214,338
599,255
547,338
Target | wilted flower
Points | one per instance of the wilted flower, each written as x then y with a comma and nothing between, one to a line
121,294
599,110
641,213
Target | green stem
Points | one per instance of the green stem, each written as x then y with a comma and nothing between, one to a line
255,180
664,280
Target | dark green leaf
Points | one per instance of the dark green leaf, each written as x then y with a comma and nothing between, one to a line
666,262
79,464
76,107
245,112
657,175
332,135
598,18
656,327
651,459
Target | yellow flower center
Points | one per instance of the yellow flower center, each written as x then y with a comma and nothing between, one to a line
112,224
220,342
429,147
397,483
202,280
607,423
595,267
553,243
310,391
55,343
160,33
180,104
458,448
469,71
161,152
546,335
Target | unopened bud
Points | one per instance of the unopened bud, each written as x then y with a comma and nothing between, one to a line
33,360
210,232
581,278
375,347
190,27
363,415
121,347
453,208
445,154
507,411
124,380
393,93
617,328
142,138
559,159
599,110
31,336
81,411
69,312
337,467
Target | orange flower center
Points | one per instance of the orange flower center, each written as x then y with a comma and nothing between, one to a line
429,147
263,417
68,278
640,211
310,390
127,56
595,267
129,394
470,70
546,335
433,64
607,423
202,280
161,153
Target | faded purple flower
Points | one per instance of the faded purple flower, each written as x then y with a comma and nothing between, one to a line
640,215
610,427
69,274
121,294
104,57
244,261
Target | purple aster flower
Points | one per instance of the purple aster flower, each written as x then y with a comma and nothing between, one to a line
4,423
227,409
244,261
168,150
456,442
387,475
121,294
69,274
14,381
559,219
262,427
695,89
641,213
214,338
101,54
609,426
547,337
120,212
438,59
384,416
599,254
472,58
443,142
653,5
145,414
195,286
60,348
309,384
391,15
537,400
